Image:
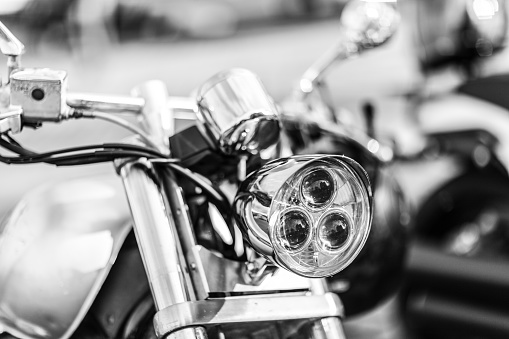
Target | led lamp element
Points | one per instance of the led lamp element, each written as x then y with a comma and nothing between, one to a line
294,230
317,188
309,214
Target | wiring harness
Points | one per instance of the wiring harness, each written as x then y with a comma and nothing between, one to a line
107,152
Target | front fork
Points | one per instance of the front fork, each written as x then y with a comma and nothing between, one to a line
169,252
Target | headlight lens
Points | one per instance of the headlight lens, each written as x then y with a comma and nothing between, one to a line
320,218
334,230
294,230
317,188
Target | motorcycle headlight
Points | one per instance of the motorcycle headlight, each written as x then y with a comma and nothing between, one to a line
309,214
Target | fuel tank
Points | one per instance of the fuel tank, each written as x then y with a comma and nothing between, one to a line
56,248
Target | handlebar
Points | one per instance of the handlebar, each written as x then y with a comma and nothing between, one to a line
184,108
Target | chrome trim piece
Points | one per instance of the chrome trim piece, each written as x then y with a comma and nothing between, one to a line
184,108
156,235
9,44
11,47
10,119
241,310
328,328
185,232
157,120
237,114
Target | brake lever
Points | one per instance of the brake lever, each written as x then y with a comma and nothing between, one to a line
12,48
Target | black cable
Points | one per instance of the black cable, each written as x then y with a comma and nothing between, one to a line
14,147
213,193
106,145
91,153
75,159
11,140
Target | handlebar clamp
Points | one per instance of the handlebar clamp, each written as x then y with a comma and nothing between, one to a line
41,93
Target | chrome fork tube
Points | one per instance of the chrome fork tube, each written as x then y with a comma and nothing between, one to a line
156,228
155,232
325,328
157,239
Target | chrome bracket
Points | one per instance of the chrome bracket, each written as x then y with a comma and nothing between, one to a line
12,48
244,310
10,119
41,92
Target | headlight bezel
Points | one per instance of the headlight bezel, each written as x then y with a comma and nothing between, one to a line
256,203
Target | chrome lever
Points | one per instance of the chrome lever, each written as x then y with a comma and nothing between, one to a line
11,47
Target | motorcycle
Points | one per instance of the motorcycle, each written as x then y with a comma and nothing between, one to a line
215,236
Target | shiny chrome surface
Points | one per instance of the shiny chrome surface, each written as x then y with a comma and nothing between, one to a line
236,113
50,102
255,196
183,108
223,275
9,44
189,333
249,309
156,228
159,126
10,119
185,232
56,249
328,328
11,47
156,235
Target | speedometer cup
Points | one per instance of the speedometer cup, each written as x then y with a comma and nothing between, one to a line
317,188
294,230
334,230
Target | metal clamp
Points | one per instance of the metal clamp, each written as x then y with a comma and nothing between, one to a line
249,309
41,92
10,120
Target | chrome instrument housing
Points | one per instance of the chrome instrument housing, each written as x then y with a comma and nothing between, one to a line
236,113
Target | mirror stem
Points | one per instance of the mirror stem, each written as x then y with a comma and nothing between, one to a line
342,51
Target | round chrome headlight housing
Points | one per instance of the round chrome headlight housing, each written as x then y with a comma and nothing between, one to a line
313,213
